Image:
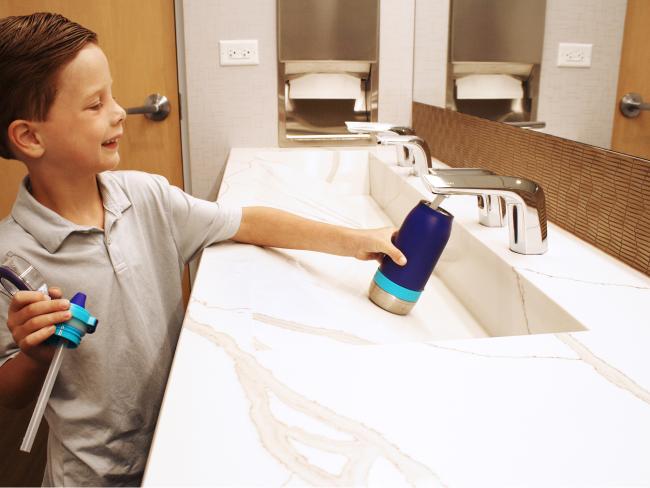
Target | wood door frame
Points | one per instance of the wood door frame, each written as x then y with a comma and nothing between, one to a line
625,131
181,74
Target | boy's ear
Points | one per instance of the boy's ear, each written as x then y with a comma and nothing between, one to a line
24,137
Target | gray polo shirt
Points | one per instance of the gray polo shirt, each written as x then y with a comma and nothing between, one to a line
104,405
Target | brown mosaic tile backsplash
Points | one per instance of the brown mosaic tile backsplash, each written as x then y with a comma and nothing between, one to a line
603,197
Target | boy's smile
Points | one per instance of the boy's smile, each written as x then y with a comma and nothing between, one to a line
83,127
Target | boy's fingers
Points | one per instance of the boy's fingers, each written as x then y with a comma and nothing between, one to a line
394,254
42,321
397,256
41,307
23,298
35,338
55,292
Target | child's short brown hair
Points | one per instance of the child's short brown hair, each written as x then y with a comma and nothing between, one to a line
33,50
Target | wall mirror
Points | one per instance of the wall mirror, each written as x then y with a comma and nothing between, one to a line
593,53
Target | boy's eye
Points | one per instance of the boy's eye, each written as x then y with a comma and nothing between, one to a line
96,106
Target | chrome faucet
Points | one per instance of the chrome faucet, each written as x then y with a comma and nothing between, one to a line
525,204
491,208
404,154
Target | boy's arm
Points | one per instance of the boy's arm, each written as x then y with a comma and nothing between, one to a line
265,226
21,379
31,319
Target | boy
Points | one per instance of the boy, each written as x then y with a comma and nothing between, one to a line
122,237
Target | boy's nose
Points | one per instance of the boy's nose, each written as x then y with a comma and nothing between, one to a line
120,113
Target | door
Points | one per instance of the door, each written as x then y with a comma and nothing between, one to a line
138,38
632,135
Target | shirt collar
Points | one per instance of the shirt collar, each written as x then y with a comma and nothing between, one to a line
48,227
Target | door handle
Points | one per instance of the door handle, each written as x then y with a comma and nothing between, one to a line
528,124
156,107
632,104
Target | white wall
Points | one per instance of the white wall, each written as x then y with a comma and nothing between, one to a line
233,106
396,61
430,57
575,103
236,106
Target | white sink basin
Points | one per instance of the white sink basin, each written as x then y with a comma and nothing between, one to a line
473,293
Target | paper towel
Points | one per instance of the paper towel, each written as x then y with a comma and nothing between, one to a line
483,87
325,86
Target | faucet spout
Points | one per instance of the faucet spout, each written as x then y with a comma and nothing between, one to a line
491,208
525,204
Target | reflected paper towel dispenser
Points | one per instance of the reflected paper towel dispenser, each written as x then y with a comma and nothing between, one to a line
328,70
495,53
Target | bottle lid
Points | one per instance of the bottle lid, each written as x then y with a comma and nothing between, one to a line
79,299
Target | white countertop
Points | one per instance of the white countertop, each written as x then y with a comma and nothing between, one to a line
286,374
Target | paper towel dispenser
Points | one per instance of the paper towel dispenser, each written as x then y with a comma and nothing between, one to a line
495,54
328,67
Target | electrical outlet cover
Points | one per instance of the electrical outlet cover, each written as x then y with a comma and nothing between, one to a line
238,52
574,55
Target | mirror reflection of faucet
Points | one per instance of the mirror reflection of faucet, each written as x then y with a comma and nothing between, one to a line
420,160
404,153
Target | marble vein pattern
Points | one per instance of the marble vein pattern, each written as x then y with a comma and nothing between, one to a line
292,326
361,452
522,299
590,282
606,370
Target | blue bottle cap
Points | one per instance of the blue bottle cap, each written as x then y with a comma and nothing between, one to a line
80,324
79,299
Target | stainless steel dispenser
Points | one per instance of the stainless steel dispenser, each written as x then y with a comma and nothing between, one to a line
328,70
495,53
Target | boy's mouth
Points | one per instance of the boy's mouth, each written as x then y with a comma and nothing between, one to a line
111,143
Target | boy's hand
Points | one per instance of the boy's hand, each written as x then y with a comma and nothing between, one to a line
31,320
375,243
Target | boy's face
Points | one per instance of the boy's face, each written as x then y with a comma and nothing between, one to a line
82,129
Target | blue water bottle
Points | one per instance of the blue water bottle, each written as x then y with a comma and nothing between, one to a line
421,238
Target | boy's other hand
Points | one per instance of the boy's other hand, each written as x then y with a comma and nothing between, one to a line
31,320
375,243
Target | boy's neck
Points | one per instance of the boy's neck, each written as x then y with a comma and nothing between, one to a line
76,198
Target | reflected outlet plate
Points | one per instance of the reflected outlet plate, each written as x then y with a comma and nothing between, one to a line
574,55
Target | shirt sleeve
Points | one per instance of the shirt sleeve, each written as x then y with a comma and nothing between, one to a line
8,348
197,223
